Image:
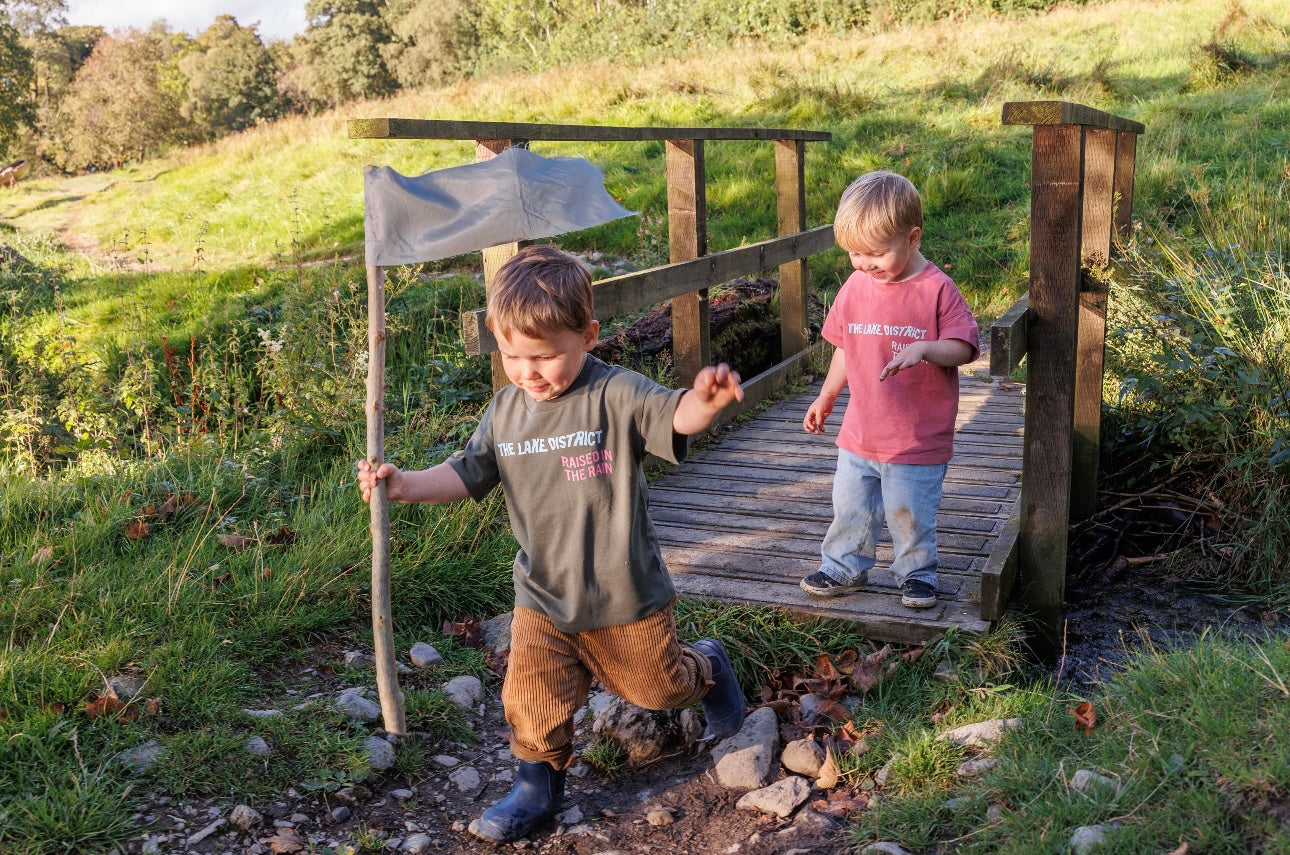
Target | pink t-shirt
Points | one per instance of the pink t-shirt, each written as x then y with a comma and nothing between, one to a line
909,417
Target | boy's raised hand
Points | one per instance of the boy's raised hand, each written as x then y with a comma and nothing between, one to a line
718,385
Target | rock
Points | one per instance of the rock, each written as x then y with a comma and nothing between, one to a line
660,817
743,761
465,691
353,705
994,814
645,734
446,761
262,713
497,632
982,733
780,798
883,847
957,803
945,672
466,779
401,794
245,817
341,813
257,745
142,757
810,820
356,659
422,655
417,843
380,754
1086,838
973,768
125,687
570,816
803,756
194,839
1086,781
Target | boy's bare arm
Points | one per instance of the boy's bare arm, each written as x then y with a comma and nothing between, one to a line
947,352
714,389
431,486
834,382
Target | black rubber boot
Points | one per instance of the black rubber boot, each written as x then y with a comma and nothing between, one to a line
537,796
723,705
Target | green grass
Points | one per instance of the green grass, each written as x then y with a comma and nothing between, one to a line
244,257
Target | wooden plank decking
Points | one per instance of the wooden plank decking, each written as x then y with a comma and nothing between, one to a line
741,521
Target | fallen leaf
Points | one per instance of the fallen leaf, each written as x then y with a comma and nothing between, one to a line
56,707
106,705
1181,850
1085,717
4,714
43,555
235,541
137,530
223,579
282,537
285,842
468,630
912,656
152,706
828,776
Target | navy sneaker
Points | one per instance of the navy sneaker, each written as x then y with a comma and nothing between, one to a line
917,594
821,584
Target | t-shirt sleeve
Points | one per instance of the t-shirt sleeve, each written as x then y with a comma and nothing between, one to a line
653,407
832,331
477,462
956,319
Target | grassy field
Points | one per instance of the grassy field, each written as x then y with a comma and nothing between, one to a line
181,367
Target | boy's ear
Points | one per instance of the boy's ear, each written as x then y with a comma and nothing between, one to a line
591,335
915,237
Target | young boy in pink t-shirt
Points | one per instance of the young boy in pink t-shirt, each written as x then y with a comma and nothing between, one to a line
901,329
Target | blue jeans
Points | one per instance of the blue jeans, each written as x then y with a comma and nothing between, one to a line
910,493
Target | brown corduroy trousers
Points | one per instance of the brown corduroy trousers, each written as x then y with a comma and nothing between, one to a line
550,672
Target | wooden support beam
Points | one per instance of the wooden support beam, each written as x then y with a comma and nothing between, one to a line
1126,147
643,289
449,129
1008,340
687,226
1095,242
496,256
1056,209
790,195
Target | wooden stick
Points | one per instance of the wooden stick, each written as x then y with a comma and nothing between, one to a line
387,680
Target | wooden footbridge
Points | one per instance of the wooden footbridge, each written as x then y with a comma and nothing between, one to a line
742,520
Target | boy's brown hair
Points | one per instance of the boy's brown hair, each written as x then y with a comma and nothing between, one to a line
875,208
540,290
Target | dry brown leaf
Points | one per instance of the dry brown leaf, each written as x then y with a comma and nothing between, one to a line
1181,850
282,537
1085,717
56,707
4,714
235,541
828,776
44,555
223,579
152,706
285,842
105,705
137,530
824,668
912,656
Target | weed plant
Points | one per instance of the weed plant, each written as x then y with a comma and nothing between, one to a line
1200,371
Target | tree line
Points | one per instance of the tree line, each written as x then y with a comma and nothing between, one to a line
75,98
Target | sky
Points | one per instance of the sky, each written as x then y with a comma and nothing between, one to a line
279,19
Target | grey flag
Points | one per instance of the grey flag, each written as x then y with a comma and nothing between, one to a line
517,195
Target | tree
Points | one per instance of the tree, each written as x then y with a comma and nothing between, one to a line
122,104
435,40
231,79
17,109
35,16
339,55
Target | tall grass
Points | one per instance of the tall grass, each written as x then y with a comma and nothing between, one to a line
1200,368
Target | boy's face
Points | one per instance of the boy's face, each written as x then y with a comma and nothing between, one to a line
544,367
891,260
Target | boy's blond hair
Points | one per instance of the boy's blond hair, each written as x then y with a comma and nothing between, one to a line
541,290
875,208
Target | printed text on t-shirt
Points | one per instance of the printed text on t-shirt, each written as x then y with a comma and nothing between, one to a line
887,329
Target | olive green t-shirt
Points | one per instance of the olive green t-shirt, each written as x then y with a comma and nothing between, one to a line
572,472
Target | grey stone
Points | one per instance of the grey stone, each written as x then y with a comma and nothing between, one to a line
973,768
780,798
743,761
245,817
380,754
645,734
982,733
354,706
497,632
883,847
417,843
803,756
466,778
1086,781
194,839
1086,838
423,655
257,745
141,758
465,691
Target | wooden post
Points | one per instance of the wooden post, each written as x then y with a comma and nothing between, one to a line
1055,218
790,195
687,229
1095,241
496,256
387,679
1126,147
